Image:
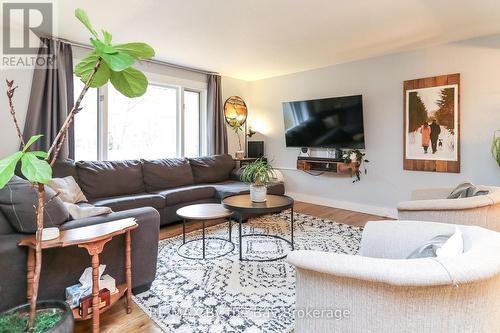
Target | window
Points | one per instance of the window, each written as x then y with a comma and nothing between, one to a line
192,123
143,127
165,122
86,124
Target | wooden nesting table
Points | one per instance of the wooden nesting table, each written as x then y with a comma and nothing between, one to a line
93,238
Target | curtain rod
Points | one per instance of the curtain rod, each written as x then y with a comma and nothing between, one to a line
153,61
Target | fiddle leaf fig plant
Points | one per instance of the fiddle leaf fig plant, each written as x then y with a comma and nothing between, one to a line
105,63
115,62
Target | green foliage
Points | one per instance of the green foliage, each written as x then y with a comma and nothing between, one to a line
259,173
33,165
495,147
356,156
418,111
115,62
445,115
44,321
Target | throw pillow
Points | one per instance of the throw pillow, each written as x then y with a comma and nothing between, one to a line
466,190
440,246
428,249
68,189
18,200
452,247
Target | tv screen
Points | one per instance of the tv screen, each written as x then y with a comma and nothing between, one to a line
329,122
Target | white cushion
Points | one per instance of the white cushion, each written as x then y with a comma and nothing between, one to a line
68,189
452,247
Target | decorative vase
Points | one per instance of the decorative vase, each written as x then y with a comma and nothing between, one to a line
258,193
240,154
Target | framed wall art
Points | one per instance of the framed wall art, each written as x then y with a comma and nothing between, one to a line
432,124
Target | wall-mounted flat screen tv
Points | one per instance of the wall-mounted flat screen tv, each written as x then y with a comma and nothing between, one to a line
325,123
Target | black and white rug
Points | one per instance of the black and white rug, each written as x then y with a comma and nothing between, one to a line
226,295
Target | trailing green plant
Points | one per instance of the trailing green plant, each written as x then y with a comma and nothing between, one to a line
105,63
495,147
237,127
356,156
259,173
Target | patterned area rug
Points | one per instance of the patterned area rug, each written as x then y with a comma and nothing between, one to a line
226,295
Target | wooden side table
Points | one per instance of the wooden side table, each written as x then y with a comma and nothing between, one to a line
93,238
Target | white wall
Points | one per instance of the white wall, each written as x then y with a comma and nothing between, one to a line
380,81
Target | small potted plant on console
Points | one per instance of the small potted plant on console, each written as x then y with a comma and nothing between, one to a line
356,157
258,174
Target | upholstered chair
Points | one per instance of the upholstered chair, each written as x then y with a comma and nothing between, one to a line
432,205
380,290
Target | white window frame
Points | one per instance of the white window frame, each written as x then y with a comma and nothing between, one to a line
180,85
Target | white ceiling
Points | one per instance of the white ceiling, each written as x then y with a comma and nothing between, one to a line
256,39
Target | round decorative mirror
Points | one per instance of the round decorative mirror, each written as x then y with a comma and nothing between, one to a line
235,110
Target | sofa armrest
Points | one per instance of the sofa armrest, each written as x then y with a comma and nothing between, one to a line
397,239
408,273
431,193
446,204
144,214
12,271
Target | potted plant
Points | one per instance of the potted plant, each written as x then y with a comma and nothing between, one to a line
258,174
495,147
106,62
237,127
355,158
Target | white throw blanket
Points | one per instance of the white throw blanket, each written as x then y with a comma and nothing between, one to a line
80,212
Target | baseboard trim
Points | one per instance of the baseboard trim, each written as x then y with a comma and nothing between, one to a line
348,205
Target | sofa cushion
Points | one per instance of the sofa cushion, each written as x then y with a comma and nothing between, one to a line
212,169
63,168
166,173
228,188
131,201
181,195
17,201
232,187
100,179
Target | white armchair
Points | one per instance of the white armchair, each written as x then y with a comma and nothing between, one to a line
384,292
432,205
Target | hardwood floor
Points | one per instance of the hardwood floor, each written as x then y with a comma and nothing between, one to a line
116,320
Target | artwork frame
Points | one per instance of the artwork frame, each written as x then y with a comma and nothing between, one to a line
435,101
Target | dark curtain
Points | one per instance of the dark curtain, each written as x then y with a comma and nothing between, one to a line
51,96
217,133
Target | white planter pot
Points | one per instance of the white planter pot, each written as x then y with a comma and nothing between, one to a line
240,154
258,193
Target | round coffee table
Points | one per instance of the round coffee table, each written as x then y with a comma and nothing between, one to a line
242,204
204,212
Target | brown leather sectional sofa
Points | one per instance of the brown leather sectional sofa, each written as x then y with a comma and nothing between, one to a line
164,184
149,190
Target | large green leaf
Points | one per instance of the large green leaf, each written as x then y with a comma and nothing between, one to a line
31,141
83,17
85,67
41,154
8,166
100,47
136,50
117,62
130,82
35,169
107,37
